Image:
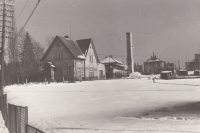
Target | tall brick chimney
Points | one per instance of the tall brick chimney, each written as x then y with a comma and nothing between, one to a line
130,61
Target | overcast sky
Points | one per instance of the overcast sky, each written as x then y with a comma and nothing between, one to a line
170,28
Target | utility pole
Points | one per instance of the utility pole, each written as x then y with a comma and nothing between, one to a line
7,29
2,50
178,65
70,31
186,56
153,64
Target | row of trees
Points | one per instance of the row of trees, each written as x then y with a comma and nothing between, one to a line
23,59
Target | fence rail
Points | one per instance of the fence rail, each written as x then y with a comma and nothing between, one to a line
31,129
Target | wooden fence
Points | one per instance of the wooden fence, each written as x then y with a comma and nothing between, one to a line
16,117
31,129
3,107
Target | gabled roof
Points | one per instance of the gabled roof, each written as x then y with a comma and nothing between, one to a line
154,59
109,60
71,45
113,62
84,45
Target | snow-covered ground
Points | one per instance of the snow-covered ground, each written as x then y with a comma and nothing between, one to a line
112,106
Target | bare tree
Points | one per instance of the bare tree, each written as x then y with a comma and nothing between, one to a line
38,50
14,47
49,40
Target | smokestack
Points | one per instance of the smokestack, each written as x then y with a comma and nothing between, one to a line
130,61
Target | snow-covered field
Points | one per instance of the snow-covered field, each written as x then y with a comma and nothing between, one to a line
112,106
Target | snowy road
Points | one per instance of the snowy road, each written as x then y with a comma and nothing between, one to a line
111,106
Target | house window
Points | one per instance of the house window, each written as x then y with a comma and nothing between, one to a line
91,58
58,55
91,73
66,69
79,69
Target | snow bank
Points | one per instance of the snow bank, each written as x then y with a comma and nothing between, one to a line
135,75
3,128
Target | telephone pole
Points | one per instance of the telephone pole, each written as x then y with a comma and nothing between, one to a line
178,65
7,29
153,64
2,49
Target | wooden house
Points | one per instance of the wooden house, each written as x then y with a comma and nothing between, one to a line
67,59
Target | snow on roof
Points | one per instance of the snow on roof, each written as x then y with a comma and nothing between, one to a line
110,60
72,46
166,71
81,56
153,60
52,66
182,70
118,61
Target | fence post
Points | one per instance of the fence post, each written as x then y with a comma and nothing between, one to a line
5,108
1,104
16,125
20,119
9,118
26,81
26,118
45,80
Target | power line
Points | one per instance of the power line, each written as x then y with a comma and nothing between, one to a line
28,18
22,10
125,55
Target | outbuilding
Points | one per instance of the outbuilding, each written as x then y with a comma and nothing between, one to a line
166,75
183,73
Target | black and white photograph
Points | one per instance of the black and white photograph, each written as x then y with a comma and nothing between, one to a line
99,66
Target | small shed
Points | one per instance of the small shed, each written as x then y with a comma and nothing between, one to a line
166,75
183,73
197,72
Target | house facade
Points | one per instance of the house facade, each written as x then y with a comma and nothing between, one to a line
65,60
91,58
193,65
153,65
